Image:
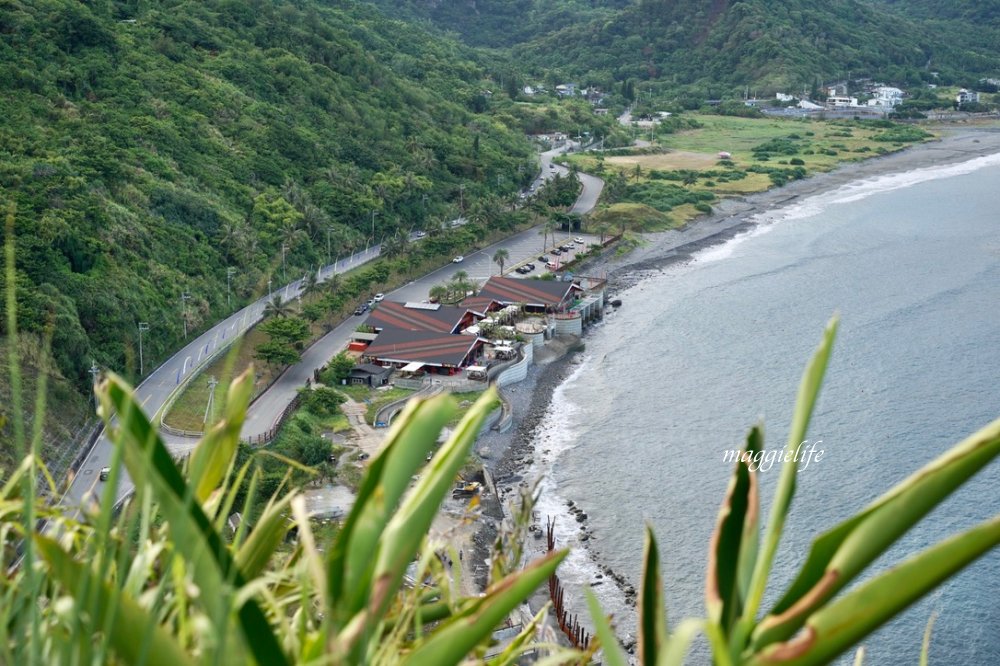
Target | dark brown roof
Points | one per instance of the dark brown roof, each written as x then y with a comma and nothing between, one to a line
424,317
479,304
529,292
401,346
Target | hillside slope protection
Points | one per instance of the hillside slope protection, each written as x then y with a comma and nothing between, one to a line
150,146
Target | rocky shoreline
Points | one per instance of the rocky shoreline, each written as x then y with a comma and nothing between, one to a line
509,456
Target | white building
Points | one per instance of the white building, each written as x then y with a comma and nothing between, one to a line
841,101
967,97
886,96
784,97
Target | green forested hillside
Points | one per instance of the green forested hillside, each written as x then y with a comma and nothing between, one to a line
727,44
502,23
148,146
766,43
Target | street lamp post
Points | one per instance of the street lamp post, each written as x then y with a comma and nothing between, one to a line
328,230
212,383
284,248
94,371
143,327
185,297
230,271
461,200
373,223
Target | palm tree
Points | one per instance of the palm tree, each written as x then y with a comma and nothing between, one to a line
547,228
637,172
275,307
500,257
438,293
310,283
602,230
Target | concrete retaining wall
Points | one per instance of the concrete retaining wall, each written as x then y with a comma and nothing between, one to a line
569,326
519,370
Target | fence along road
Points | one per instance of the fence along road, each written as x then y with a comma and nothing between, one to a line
155,389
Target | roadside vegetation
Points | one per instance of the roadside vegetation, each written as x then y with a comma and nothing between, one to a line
170,579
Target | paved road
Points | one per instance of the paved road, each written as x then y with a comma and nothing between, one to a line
156,388
522,247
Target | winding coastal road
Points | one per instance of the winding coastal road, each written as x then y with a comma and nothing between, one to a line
156,389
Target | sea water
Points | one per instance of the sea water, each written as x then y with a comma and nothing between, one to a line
638,433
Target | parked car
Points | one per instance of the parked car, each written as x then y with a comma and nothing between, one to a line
361,309
421,234
544,258
105,471
457,260
578,240
566,248
530,266
379,297
522,270
557,251
552,265
552,167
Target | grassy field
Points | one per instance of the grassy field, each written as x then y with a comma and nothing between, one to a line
815,146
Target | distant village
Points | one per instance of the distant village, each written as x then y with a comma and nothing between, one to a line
863,97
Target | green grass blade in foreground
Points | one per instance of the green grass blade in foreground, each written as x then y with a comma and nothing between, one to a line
456,638
409,525
413,434
265,537
524,640
732,549
134,633
652,613
148,461
613,653
840,554
834,628
212,457
809,387
679,642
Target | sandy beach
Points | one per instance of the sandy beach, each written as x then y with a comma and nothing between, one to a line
509,455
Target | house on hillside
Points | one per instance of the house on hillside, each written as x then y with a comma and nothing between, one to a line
967,97
886,97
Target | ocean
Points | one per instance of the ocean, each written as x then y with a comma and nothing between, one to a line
700,352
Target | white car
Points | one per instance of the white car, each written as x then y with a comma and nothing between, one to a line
379,297
421,234
457,260
578,240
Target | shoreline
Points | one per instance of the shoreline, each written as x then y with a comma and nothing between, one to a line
510,456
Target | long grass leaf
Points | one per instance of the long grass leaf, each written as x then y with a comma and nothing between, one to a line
839,555
836,627
127,622
460,634
212,457
149,462
652,612
808,392
613,653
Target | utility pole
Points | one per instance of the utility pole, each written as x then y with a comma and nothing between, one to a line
185,297
461,200
284,248
269,287
230,271
143,327
373,224
328,230
94,372
212,383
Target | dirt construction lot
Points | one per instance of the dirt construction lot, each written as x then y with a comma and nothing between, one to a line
675,159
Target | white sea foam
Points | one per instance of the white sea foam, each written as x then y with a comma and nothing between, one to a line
554,437
849,193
